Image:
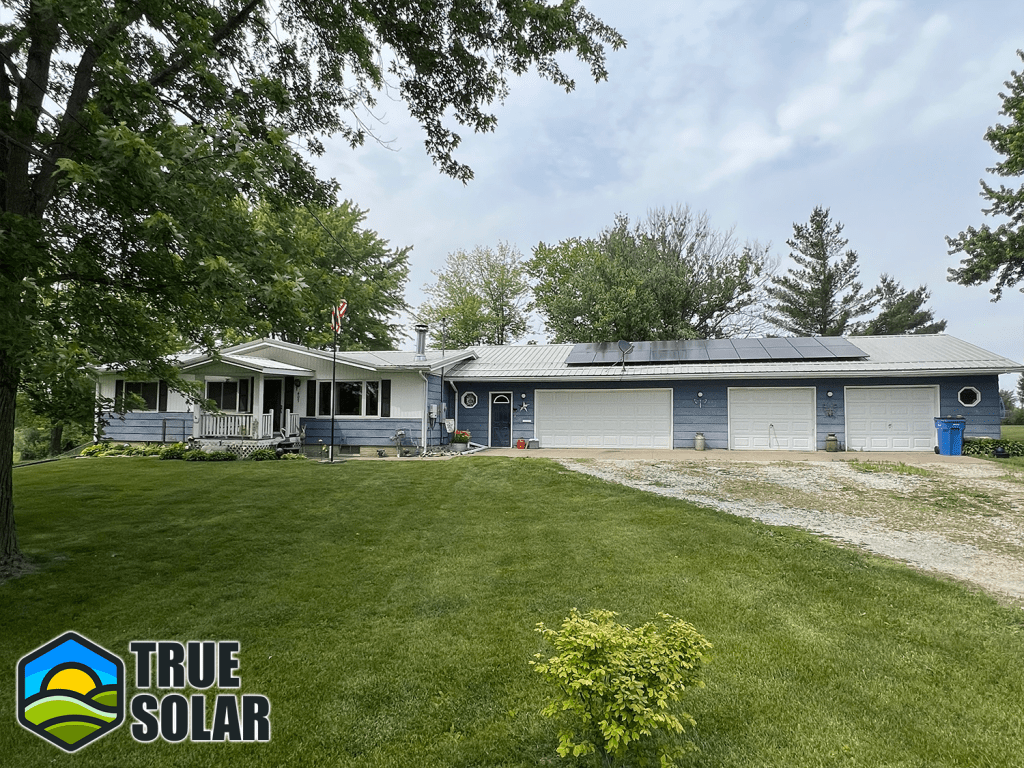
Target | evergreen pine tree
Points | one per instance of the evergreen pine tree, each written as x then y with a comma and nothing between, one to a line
822,296
900,311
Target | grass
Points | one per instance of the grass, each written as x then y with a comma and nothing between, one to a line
387,610
1012,432
888,466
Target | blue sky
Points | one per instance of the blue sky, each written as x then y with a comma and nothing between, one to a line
752,111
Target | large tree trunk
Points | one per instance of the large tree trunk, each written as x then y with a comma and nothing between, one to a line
10,554
56,439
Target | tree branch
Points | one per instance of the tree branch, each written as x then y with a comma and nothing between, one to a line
46,178
164,76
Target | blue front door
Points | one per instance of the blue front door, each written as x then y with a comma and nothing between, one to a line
501,421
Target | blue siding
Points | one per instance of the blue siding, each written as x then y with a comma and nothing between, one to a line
983,418
372,432
437,435
710,414
148,427
477,420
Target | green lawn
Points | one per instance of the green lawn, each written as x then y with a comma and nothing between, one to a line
1012,432
387,609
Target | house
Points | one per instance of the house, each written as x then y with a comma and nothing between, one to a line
789,394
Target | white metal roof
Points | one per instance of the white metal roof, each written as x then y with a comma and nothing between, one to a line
912,355
259,364
371,360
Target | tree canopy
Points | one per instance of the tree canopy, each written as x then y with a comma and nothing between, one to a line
998,253
670,276
480,297
821,296
335,258
142,141
899,311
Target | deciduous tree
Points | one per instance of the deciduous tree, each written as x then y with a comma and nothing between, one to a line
336,258
821,296
480,297
998,253
670,276
138,140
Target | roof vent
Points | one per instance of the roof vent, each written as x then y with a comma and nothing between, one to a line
421,342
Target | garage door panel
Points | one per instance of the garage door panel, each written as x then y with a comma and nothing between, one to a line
596,418
890,418
771,418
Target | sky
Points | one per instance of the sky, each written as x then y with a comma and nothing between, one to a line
755,112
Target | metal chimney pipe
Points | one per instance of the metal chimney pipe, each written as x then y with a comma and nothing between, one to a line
421,341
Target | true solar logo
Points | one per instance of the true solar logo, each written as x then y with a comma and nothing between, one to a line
175,717
71,692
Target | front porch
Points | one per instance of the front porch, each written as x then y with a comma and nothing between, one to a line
246,426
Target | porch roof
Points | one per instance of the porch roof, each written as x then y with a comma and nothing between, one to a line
253,364
384,360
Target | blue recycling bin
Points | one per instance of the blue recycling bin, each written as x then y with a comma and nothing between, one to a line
951,436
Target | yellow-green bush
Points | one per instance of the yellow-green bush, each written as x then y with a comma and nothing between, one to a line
618,686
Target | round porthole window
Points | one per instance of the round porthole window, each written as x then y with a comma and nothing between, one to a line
469,399
969,396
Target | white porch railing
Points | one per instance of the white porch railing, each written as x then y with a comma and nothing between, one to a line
235,425
244,425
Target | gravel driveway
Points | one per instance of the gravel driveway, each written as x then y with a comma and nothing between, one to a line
964,520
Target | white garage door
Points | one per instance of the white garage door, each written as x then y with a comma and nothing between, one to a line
604,418
771,418
891,418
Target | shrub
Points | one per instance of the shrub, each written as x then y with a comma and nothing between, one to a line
984,447
117,449
195,454
292,457
263,454
95,450
174,451
618,684
221,456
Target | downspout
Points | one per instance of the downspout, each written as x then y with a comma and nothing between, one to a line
426,408
456,408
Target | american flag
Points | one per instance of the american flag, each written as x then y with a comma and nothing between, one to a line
337,314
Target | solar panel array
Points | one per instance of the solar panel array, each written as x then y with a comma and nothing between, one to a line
716,351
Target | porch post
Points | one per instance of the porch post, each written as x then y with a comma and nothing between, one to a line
257,401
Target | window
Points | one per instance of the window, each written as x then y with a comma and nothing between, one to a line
469,399
230,395
352,398
349,398
153,394
969,396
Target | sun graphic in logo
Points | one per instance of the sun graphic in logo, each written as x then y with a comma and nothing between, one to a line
70,691
71,677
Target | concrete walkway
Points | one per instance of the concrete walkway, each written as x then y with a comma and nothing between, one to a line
686,454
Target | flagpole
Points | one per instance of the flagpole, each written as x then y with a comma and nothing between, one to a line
334,386
337,315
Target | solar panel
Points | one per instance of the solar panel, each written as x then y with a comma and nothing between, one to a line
841,347
715,350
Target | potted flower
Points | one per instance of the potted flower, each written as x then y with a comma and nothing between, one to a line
460,440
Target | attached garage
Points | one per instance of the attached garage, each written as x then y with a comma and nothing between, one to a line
891,418
604,418
771,418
